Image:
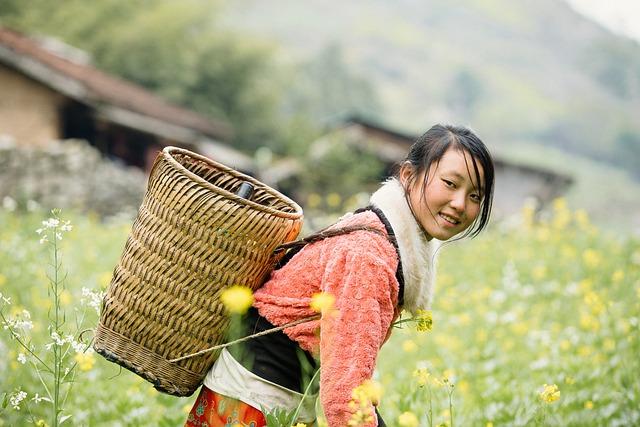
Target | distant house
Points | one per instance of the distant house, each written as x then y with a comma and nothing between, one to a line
49,91
514,183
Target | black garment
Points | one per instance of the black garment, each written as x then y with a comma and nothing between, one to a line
275,357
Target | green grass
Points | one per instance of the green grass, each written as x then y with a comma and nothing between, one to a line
519,307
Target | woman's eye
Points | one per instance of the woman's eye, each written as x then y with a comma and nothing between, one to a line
449,183
475,198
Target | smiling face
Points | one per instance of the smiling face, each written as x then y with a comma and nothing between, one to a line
450,200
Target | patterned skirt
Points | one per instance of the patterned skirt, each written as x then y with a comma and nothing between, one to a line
215,410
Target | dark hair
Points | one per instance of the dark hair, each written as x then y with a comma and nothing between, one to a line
431,146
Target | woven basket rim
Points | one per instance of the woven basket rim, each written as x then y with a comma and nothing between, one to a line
168,152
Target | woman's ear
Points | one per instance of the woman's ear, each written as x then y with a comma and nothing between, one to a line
406,174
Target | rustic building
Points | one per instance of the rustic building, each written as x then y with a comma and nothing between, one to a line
51,92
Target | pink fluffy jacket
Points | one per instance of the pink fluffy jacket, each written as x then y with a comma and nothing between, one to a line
359,270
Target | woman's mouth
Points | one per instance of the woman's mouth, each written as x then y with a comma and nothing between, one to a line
449,219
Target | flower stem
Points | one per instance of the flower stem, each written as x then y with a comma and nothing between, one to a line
304,396
56,323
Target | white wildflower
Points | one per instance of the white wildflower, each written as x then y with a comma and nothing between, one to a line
16,398
37,399
22,358
59,236
92,299
51,223
4,299
43,240
23,322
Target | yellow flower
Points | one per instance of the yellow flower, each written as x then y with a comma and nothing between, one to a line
3,280
322,302
549,393
539,272
104,279
300,425
334,200
409,346
560,204
422,375
528,214
369,391
85,361
314,200
41,423
594,302
591,258
424,321
408,419
609,344
588,405
562,215
589,323
65,298
584,351
617,276
582,218
237,299
570,380
489,424
520,328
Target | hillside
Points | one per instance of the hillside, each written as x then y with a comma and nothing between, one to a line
535,71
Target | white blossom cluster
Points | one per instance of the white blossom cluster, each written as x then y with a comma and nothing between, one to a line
77,346
22,321
92,299
58,227
4,299
16,399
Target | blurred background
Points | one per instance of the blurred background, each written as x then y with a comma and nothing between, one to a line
279,89
320,98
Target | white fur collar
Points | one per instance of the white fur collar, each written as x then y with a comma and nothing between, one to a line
417,254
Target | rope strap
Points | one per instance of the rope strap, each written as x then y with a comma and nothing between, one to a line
239,340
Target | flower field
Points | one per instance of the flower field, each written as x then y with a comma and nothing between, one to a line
533,324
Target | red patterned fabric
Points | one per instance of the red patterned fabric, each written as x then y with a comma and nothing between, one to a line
215,410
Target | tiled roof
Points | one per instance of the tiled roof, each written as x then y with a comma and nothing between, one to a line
99,88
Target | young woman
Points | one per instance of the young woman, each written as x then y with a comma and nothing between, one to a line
443,189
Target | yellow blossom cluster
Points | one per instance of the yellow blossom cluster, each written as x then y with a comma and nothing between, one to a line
363,397
85,361
424,320
549,393
237,299
408,419
322,302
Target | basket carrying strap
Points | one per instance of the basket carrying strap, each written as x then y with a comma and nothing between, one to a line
293,248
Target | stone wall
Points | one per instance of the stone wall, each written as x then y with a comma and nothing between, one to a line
68,174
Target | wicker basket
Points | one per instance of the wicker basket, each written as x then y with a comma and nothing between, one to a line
192,238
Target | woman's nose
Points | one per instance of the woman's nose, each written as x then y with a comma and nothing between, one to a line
458,201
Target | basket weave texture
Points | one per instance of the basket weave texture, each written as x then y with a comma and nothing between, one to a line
192,238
